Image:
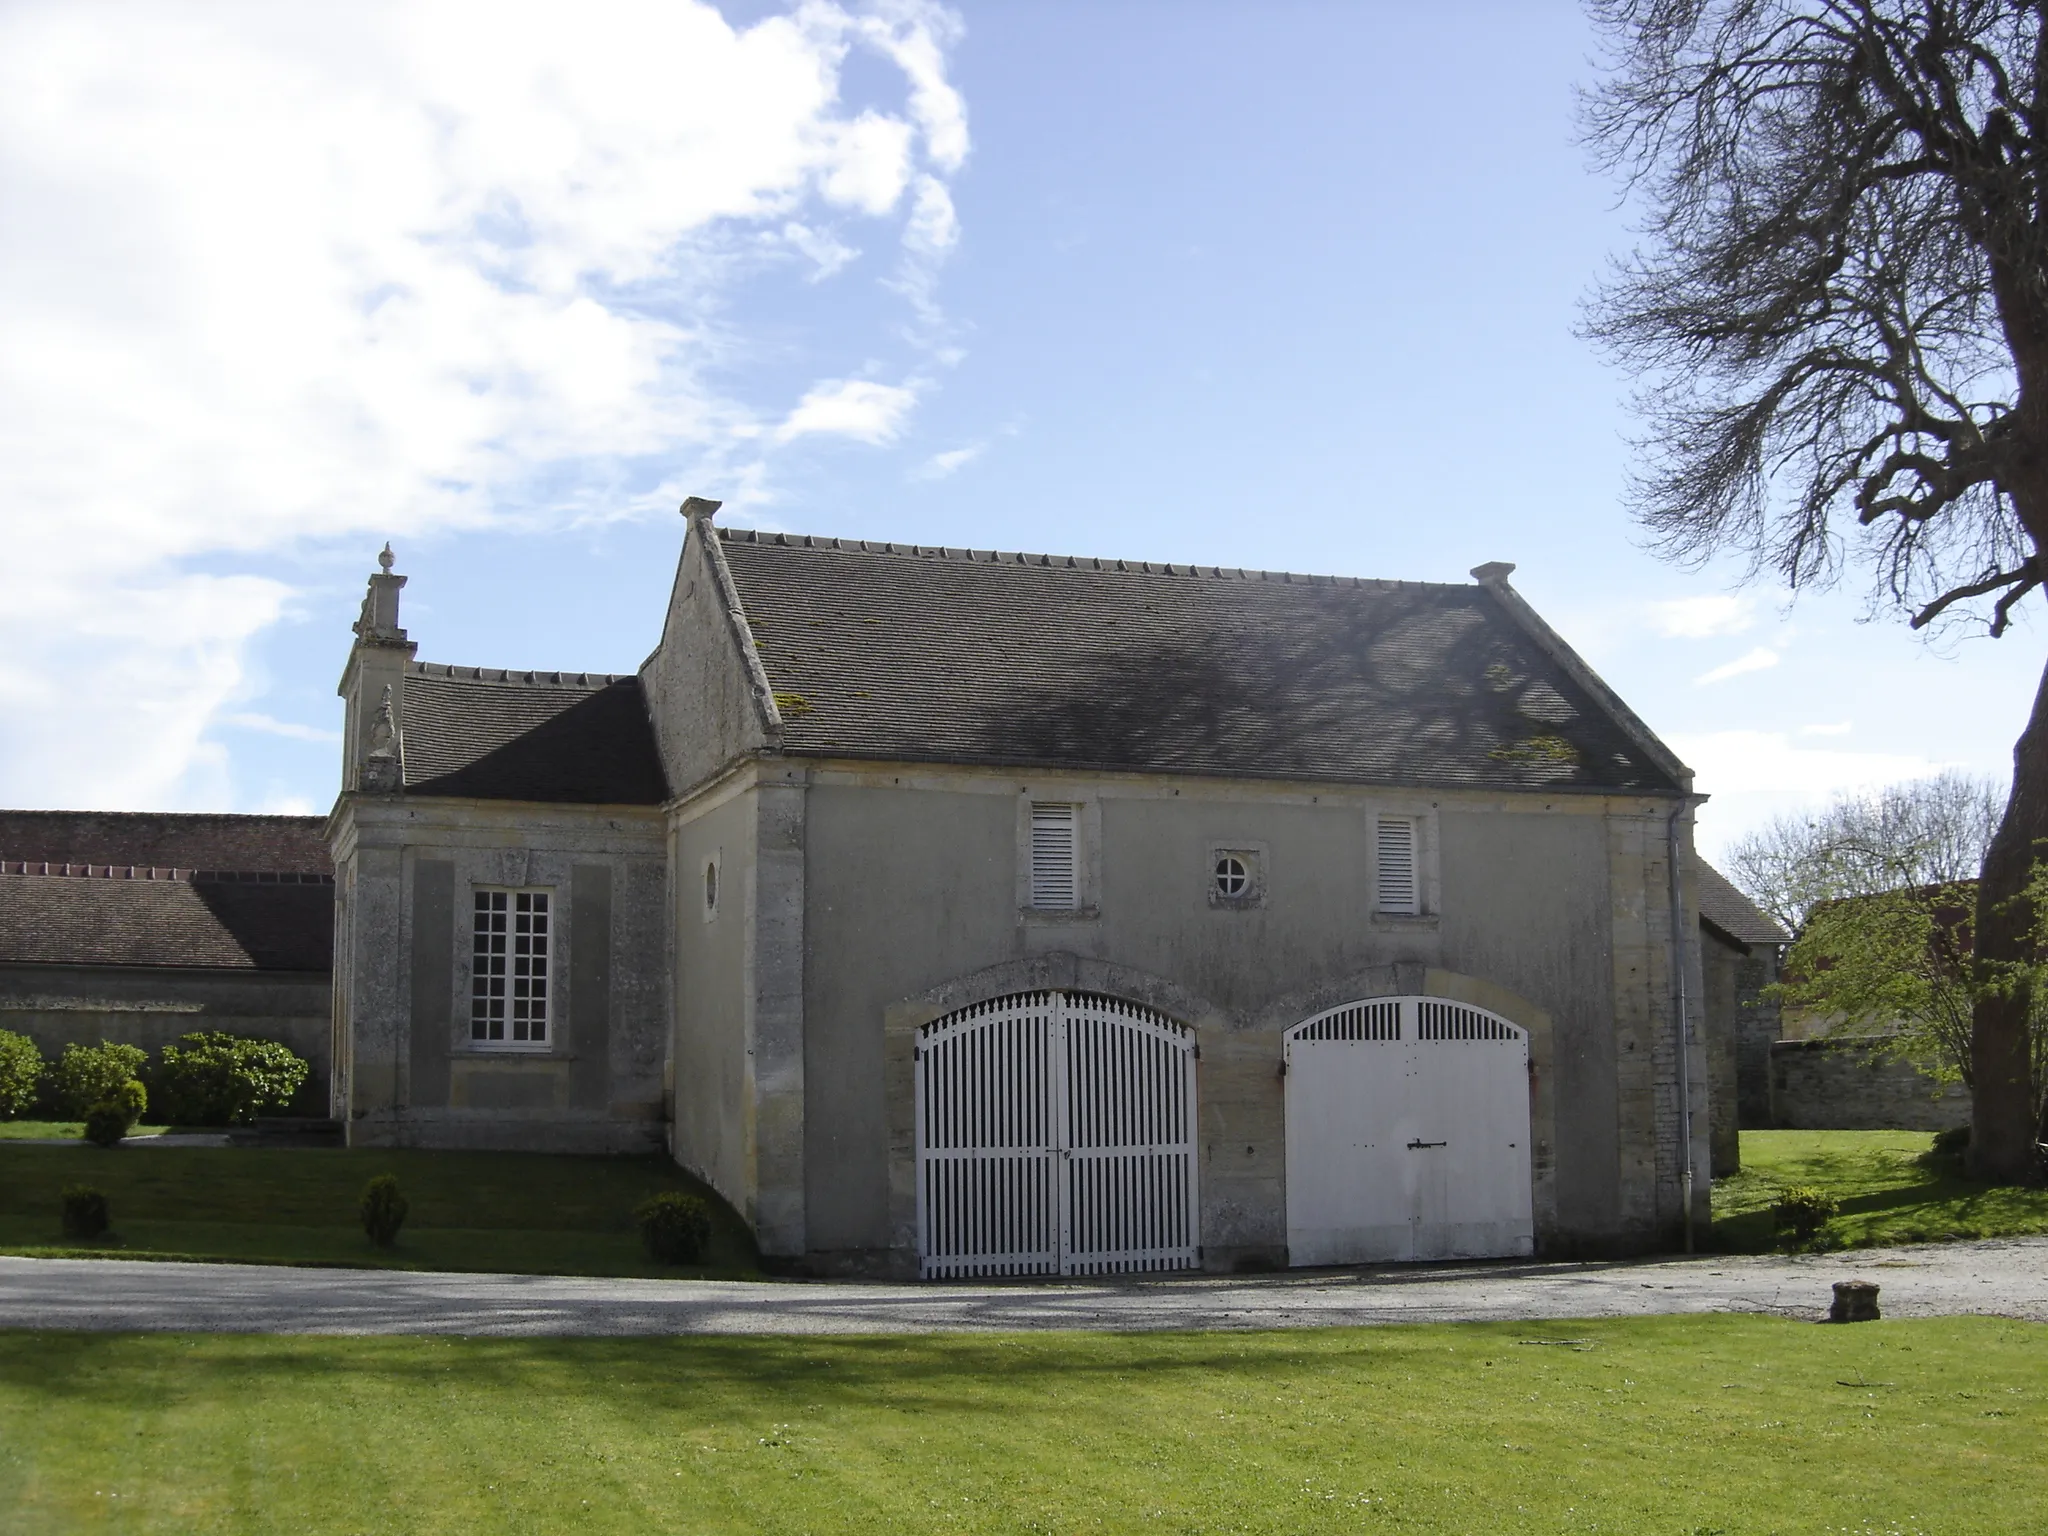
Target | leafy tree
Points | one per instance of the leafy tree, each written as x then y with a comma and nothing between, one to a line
1899,960
1924,832
1838,318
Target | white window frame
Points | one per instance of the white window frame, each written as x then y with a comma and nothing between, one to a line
1087,824
538,901
1253,856
1049,822
1413,906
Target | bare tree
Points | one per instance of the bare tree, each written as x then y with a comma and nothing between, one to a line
1923,832
1838,318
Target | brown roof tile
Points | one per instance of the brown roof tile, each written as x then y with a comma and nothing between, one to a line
567,737
226,924
890,651
277,844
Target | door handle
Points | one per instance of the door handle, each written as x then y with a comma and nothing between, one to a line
1414,1144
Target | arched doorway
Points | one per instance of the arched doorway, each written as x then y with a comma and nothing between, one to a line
1055,1135
1407,1134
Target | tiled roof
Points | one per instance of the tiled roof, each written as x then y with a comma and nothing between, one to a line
1722,905
892,651
569,737
275,844
229,924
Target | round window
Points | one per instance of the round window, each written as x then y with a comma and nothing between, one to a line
1232,878
711,886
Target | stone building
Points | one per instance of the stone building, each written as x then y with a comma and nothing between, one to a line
955,912
1741,946
139,927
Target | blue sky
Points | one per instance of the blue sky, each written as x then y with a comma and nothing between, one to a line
1287,285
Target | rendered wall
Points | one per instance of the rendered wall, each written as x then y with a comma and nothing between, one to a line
713,1118
1560,914
407,870
150,1007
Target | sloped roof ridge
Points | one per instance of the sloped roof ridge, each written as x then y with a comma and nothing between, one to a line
50,869
1076,562
531,678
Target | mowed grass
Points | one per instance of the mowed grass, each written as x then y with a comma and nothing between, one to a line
1890,1191
1676,1425
513,1212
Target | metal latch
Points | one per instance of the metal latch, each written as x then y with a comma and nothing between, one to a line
1414,1144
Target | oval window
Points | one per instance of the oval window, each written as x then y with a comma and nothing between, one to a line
1232,878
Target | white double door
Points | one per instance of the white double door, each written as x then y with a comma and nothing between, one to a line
1055,1135
1407,1134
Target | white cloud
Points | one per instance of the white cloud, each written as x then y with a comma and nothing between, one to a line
1701,618
1758,660
1834,728
940,465
1757,762
857,408
289,729
272,274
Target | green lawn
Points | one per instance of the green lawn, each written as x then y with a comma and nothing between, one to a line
1889,1191
507,1211
1678,1425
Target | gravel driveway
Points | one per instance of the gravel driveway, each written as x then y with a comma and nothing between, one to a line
2008,1278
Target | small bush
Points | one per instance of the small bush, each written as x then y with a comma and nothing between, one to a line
1800,1213
85,1074
1953,1142
85,1212
211,1078
675,1227
383,1210
21,1073
115,1115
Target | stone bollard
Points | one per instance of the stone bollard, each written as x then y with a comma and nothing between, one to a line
1855,1302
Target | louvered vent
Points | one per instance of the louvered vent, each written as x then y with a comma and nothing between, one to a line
1397,883
1055,856
1448,1021
1359,1021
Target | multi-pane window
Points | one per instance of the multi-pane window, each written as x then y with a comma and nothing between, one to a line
508,999
1398,887
1233,879
1055,856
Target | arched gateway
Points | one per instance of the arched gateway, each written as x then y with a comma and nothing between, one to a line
1407,1134
1055,1135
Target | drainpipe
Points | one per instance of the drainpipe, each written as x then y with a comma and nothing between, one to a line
1678,965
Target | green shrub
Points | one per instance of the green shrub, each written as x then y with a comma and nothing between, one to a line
85,1212
383,1210
212,1078
85,1074
21,1073
675,1227
1801,1211
1953,1142
115,1115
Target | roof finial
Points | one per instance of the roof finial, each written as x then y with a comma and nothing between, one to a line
1494,573
386,559
699,509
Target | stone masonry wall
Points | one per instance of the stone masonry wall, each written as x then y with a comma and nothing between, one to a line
1847,1083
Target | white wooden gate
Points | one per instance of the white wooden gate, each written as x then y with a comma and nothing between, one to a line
1407,1134
1055,1135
